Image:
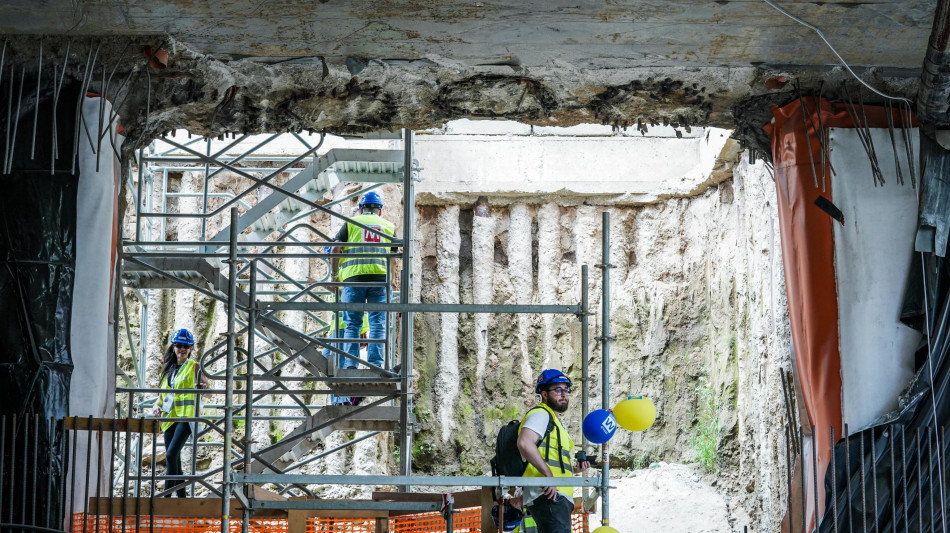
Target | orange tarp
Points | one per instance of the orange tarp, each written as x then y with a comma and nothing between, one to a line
808,256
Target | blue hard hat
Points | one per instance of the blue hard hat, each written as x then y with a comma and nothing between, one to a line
550,377
183,336
371,198
513,516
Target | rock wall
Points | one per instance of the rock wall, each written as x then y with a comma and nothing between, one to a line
697,302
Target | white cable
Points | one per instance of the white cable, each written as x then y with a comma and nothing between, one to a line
835,52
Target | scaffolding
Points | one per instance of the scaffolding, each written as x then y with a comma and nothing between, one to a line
238,266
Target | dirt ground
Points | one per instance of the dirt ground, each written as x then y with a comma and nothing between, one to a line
665,498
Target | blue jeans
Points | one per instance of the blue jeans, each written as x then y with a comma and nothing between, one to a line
354,321
339,364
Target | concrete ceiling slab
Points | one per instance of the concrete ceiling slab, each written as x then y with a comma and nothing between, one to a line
529,34
239,66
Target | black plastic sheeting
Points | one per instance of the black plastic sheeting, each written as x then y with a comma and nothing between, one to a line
37,265
894,475
934,227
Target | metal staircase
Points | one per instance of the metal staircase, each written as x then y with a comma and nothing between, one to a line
268,221
320,425
338,165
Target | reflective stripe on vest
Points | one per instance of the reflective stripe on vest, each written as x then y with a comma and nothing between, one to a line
553,461
355,266
184,404
552,455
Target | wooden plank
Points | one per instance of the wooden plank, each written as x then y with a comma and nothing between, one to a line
178,507
258,493
463,500
487,499
297,521
117,425
211,508
468,498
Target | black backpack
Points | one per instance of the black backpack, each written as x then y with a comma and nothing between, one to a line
507,460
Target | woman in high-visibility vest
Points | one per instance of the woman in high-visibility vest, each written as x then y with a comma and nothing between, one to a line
178,372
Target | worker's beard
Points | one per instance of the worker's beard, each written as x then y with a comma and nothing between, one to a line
556,405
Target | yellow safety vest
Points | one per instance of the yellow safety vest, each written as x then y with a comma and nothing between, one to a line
354,266
556,449
184,404
528,525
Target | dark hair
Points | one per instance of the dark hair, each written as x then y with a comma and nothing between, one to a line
169,363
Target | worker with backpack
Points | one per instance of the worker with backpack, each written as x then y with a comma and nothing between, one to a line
545,449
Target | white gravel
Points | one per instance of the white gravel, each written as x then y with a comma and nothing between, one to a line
665,498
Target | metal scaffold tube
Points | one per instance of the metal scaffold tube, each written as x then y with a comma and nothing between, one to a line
584,316
229,374
249,386
585,350
605,363
405,297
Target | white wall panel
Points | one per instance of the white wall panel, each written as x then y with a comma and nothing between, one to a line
872,257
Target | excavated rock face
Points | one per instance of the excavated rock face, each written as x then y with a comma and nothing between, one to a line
697,309
159,84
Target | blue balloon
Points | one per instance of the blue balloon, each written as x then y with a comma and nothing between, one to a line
599,426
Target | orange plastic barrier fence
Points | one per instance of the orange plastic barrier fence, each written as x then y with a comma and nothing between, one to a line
464,521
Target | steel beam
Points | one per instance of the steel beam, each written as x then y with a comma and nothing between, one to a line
422,307
426,481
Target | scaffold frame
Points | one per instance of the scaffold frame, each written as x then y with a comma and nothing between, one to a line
249,317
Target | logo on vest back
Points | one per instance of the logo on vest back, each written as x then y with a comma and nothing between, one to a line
369,236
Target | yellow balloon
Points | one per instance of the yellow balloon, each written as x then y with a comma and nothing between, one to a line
605,529
636,413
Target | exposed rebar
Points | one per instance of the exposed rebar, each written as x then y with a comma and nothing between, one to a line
36,107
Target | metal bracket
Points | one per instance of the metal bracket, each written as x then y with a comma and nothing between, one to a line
240,496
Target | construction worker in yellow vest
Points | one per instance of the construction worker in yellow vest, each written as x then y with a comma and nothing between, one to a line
178,372
369,271
550,507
